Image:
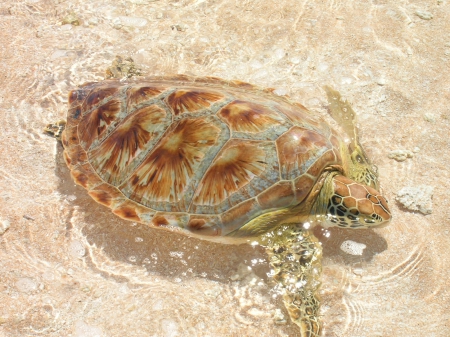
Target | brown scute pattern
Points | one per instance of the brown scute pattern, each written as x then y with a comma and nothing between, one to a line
75,155
102,197
80,178
94,124
251,117
167,170
239,215
177,154
182,101
159,220
296,148
302,186
137,95
85,176
112,157
235,166
164,219
277,196
321,163
196,224
127,212
98,94
203,227
70,136
67,159
76,97
106,195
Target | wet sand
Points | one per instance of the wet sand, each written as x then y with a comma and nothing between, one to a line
68,267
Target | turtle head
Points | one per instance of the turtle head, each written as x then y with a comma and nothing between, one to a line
346,203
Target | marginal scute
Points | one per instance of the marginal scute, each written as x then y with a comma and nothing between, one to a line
321,163
106,195
196,224
235,217
159,221
203,226
85,176
67,159
70,136
80,178
190,101
302,186
127,212
165,219
75,155
278,196
74,115
242,116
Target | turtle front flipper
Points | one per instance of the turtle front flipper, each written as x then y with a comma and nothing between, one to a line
295,255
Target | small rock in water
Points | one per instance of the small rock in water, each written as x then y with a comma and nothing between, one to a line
400,155
278,317
4,226
416,198
424,15
71,19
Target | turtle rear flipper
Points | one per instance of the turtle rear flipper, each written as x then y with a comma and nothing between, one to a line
55,129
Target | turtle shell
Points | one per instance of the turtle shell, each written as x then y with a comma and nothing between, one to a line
200,155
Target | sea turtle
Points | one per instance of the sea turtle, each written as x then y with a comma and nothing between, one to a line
225,161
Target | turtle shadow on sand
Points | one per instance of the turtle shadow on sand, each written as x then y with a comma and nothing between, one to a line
161,252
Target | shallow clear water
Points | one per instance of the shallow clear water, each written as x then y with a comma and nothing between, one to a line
70,267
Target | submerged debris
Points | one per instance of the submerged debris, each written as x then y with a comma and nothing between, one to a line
424,15
122,68
416,198
71,19
4,226
400,155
